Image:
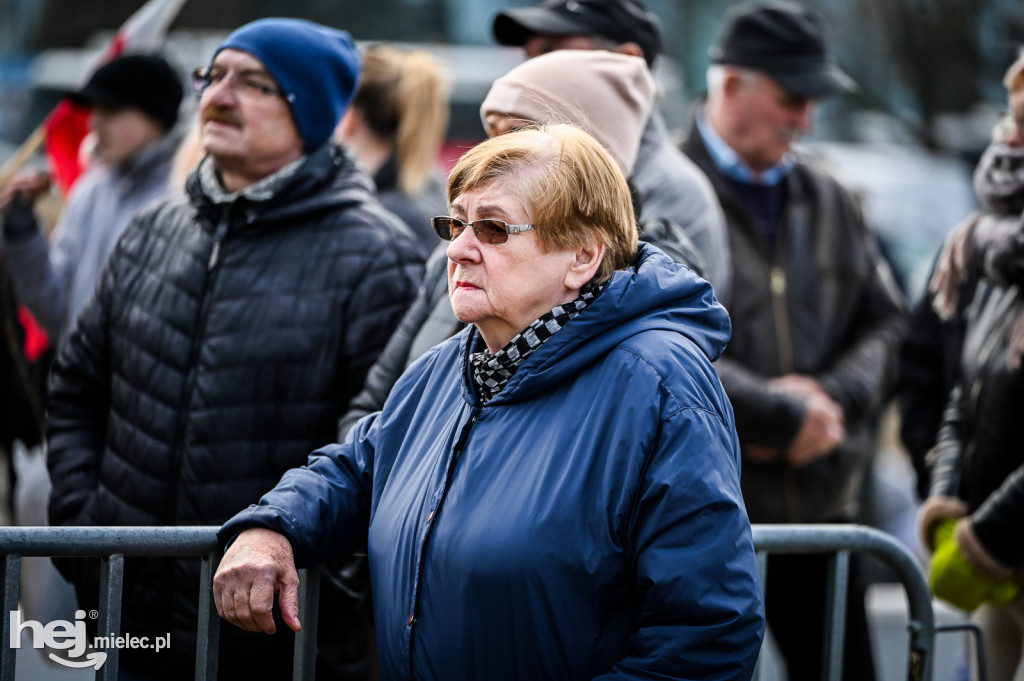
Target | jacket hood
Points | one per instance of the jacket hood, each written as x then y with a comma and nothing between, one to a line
302,194
655,294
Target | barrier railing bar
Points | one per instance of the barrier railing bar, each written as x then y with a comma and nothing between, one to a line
208,630
109,623
856,538
106,541
974,630
835,604
116,542
304,661
12,588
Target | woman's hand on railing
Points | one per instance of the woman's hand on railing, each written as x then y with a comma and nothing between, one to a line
257,565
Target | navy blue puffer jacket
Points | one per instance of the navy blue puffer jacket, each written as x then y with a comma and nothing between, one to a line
586,522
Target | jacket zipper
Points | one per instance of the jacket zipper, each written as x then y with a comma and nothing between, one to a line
778,286
992,342
193,353
431,520
783,337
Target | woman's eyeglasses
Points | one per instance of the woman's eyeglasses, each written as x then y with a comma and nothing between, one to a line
487,231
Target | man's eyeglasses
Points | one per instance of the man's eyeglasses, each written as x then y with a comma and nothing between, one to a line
487,231
251,85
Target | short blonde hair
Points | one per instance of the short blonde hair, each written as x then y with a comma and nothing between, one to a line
1014,78
573,190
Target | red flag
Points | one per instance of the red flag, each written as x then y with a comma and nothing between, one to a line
36,340
68,124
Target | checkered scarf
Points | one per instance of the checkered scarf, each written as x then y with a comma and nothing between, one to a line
493,371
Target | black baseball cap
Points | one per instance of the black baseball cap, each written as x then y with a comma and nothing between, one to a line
135,81
621,21
784,40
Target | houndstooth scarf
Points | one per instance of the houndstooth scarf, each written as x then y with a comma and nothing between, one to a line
491,372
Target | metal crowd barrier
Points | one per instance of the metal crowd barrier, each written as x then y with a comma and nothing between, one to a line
113,544
840,541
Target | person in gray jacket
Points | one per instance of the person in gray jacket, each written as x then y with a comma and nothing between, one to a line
134,100
670,186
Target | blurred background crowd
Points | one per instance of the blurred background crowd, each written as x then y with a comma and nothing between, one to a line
930,76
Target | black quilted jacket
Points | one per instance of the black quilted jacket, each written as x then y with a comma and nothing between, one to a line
223,343
979,458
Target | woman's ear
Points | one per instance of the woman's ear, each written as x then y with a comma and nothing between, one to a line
583,266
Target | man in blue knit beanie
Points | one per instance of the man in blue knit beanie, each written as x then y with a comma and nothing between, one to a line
228,332
315,68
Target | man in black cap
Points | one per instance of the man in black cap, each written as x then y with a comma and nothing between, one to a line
134,102
816,314
669,185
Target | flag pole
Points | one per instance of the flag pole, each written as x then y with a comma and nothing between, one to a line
14,163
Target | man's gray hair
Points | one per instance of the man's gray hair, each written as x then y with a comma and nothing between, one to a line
715,77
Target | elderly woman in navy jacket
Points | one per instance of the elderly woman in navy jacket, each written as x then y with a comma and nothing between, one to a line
554,492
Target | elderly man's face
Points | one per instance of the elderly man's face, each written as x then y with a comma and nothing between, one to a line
501,288
765,120
244,122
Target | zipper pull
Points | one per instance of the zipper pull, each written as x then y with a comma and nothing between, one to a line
214,255
218,237
778,281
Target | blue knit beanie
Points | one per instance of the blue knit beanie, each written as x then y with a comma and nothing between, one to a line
317,68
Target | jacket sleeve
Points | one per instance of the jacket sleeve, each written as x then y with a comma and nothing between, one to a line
394,359
674,188
701,614
944,492
385,290
42,272
927,357
948,455
78,409
997,523
764,417
674,241
861,375
323,508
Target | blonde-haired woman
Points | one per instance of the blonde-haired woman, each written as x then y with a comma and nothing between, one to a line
395,126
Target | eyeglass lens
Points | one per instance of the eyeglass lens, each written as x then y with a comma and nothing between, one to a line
488,231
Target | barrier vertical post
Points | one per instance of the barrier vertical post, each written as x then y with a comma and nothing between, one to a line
208,631
304,662
111,588
835,622
12,588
